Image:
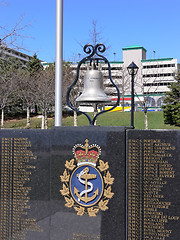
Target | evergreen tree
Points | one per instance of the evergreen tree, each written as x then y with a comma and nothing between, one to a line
34,65
171,109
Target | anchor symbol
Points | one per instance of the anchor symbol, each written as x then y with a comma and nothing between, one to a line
84,175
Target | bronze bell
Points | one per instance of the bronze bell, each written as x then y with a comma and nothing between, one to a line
93,88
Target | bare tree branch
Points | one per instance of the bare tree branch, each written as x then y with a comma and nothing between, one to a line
3,3
11,37
148,86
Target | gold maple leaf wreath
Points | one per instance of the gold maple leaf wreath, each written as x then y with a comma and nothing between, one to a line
107,195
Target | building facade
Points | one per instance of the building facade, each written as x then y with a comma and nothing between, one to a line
151,82
6,53
153,77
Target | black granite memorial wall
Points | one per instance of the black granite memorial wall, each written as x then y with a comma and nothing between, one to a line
153,177
37,200
76,183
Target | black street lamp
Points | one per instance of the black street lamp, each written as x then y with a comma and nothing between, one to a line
132,70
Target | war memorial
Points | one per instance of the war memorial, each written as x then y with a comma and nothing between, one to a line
92,182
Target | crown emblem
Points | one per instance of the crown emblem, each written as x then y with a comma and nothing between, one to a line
86,154
87,181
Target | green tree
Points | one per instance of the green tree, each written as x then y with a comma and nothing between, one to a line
171,109
34,65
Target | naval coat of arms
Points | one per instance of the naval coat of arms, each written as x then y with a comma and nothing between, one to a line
86,181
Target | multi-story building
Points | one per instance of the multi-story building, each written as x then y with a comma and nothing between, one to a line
153,77
151,82
8,52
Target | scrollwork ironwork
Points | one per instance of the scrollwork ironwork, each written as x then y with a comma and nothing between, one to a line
99,48
89,49
94,54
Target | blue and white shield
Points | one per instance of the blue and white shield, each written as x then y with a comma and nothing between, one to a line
86,185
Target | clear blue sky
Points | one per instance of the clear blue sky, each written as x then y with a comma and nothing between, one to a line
153,24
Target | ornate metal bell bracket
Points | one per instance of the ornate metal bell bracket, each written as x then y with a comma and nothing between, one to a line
93,57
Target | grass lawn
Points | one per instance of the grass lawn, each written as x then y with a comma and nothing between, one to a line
155,121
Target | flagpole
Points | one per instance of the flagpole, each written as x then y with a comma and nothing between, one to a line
59,63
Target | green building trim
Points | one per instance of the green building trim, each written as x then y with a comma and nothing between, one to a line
134,47
156,60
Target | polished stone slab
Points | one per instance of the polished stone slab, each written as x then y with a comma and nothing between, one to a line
36,206
108,224
153,177
144,190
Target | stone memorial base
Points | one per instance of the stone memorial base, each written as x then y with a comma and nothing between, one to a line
89,183
153,177
39,168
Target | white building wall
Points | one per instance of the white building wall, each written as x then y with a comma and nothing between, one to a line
134,54
158,73
153,77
